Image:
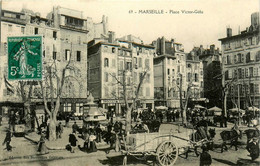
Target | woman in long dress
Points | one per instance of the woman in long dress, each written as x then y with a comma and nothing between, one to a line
42,148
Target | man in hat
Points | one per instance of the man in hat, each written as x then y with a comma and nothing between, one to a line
205,157
253,148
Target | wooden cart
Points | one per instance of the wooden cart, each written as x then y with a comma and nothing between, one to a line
166,146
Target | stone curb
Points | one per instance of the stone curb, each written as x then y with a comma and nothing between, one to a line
48,147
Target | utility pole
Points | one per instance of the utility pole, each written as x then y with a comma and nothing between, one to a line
238,103
1,4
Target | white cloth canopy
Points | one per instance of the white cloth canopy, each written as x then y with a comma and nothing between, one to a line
199,106
215,109
161,107
236,110
253,109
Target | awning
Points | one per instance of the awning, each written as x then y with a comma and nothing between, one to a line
215,109
199,106
161,108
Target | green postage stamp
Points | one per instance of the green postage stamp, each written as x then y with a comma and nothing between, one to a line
25,58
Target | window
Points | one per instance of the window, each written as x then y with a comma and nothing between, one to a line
128,66
168,71
54,34
10,28
22,30
147,63
178,69
106,62
188,65
250,41
249,57
78,56
189,77
113,63
251,88
257,56
140,62
239,73
196,77
67,55
106,77
79,108
135,76
128,81
201,83
148,78
256,89
121,65
141,91
36,31
67,107
251,71
113,50
54,55
228,60
18,16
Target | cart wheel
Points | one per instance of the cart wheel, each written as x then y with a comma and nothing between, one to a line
167,153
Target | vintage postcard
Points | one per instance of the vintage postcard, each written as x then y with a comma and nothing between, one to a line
133,82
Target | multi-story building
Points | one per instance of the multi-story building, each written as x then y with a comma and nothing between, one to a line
65,38
111,63
194,79
211,73
241,63
169,69
12,24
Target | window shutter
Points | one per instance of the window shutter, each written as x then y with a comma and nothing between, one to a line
242,58
235,58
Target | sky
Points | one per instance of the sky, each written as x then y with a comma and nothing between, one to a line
203,27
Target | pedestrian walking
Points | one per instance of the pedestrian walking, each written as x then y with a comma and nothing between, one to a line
92,143
73,142
67,119
7,140
59,130
98,133
42,148
253,148
75,127
205,157
86,142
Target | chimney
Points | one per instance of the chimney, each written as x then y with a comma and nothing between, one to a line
229,32
255,19
162,45
111,37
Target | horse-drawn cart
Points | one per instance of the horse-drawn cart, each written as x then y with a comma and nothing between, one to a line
165,145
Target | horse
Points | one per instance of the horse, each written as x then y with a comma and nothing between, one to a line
201,137
232,136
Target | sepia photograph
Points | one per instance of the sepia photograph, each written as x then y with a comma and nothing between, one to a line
129,82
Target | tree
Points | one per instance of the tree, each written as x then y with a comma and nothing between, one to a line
53,88
188,94
135,89
25,92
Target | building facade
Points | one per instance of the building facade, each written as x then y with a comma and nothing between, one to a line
211,83
169,69
241,65
65,35
112,63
